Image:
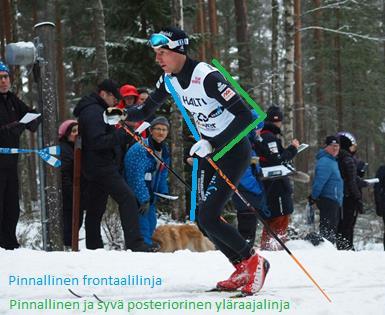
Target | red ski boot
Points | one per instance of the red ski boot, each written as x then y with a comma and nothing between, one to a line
256,268
237,279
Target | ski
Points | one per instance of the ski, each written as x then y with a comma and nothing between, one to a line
240,295
219,290
81,296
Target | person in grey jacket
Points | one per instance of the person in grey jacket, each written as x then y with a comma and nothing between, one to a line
328,190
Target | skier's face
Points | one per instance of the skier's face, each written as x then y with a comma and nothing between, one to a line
5,82
169,61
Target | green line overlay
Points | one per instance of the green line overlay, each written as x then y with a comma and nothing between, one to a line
249,100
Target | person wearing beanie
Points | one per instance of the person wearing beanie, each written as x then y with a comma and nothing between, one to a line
145,175
68,131
278,190
12,109
101,166
220,115
327,191
352,200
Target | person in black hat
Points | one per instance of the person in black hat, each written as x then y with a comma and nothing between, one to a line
278,191
352,201
220,115
328,188
100,165
12,109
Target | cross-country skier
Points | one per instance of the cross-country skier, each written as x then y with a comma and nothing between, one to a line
220,115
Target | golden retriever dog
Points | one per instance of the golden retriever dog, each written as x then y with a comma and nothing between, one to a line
172,237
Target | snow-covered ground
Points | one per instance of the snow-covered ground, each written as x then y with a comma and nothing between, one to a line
355,281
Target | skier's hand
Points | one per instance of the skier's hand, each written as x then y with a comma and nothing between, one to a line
144,207
201,148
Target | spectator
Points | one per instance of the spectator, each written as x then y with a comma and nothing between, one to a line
143,94
327,189
12,109
100,165
352,201
278,191
146,175
379,195
129,95
68,131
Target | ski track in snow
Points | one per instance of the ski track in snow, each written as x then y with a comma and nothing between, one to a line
355,281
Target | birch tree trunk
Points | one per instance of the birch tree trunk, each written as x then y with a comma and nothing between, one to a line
274,52
289,69
319,73
338,75
299,105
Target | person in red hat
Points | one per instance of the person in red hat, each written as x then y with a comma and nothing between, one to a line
129,95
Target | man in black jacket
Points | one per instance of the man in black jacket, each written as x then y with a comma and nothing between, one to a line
100,165
12,109
278,191
352,202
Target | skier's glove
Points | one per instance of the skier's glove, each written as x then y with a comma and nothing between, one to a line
144,207
201,148
114,115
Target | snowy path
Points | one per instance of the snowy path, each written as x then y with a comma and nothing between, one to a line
355,281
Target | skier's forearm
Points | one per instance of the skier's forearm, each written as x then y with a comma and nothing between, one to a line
152,103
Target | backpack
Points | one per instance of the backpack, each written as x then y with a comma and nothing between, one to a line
379,192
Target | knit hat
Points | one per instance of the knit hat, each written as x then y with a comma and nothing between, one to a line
176,35
3,67
332,140
129,90
160,120
66,127
274,114
110,86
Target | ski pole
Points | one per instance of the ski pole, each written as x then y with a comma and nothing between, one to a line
268,228
151,151
232,186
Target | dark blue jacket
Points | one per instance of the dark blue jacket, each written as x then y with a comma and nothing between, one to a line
327,182
137,163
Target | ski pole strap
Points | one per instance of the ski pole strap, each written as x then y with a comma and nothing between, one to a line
45,153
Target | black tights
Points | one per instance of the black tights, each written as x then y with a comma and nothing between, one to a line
214,195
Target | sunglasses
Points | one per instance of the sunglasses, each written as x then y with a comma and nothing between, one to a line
158,40
4,76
